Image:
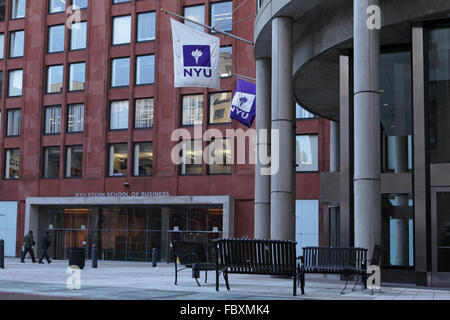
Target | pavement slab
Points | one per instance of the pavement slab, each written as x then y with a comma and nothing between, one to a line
114,280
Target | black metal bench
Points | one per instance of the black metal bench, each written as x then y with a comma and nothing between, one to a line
331,260
191,255
248,256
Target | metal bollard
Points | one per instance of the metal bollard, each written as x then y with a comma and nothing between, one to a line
2,253
94,256
154,257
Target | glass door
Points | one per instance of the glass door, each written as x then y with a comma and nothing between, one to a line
441,236
62,240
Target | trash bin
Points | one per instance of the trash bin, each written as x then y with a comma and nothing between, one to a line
77,257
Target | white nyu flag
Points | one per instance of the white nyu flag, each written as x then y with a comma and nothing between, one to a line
196,57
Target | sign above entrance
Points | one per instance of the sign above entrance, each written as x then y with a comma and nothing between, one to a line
122,195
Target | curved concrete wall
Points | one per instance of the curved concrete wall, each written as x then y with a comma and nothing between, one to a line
324,27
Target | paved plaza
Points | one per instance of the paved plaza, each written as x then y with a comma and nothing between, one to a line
139,281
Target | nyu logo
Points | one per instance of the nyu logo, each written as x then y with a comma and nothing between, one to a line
197,61
242,104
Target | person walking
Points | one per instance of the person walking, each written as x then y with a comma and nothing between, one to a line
45,243
28,247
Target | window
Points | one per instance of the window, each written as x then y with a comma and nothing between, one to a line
74,162
222,15
57,6
441,236
15,83
143,159
397,226
145,70
334,226
2,10
13,122
12,164
53,120
219,107
56,39
2,45
75,118
120,72
118,115
192,110
54,79
301,113
226,62
396,110
16,44
118,160
18,9
220,152
51,162
121,30
143,114
438,94
78,36
146,27
196,13
192,157
399,153
77,76
81,4
307,149
120,1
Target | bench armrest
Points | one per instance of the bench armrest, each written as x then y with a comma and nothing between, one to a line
187,254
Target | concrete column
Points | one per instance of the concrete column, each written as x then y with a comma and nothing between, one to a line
367,176
263,122
334,147
282,210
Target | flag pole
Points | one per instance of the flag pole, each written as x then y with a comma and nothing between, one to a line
244,77
208,27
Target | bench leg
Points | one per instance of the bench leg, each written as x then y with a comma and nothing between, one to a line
225,275
295,285
176,272
302,283
364,281
217,279
196,279
206,276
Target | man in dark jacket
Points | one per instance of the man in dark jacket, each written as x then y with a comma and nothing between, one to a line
45,243
28,247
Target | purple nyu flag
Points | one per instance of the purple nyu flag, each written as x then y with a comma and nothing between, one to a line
243,107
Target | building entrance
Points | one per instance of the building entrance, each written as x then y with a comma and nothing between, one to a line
129,233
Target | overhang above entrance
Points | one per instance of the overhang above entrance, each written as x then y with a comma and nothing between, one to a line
227,203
